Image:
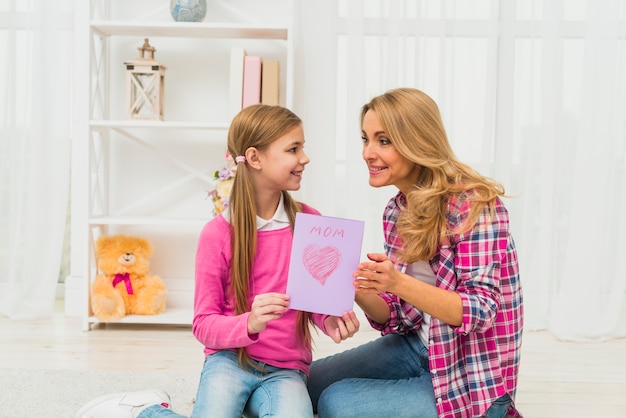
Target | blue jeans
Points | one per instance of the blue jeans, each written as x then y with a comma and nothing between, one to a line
386,377
226,390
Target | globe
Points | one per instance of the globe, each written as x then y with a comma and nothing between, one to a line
188,10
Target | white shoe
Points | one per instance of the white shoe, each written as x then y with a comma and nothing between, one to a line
124,405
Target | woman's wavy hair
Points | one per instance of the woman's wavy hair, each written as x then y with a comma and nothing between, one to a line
413,124
255,126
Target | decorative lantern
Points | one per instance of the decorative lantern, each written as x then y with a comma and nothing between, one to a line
145,79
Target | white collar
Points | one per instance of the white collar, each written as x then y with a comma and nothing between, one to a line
278,220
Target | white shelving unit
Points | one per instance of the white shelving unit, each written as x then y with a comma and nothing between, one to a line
151,178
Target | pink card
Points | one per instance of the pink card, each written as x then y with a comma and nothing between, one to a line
324,254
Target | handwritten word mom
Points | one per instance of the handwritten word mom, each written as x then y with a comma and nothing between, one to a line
327,232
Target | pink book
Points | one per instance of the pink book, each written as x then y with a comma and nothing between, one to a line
251,80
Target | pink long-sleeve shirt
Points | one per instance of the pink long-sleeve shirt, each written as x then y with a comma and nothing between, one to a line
215,324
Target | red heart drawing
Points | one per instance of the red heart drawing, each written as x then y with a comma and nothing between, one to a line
321,262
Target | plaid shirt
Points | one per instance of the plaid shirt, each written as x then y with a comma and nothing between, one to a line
476,363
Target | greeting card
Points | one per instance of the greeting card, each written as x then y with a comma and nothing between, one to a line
324,253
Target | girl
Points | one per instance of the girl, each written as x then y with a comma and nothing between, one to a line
258,351
446,296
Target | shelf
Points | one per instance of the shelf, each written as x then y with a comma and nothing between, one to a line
113,220
148,176
190,30
129,124
173,316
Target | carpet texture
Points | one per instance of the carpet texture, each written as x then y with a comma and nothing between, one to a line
61,393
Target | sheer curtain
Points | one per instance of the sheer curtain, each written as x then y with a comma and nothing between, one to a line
35,45
533,94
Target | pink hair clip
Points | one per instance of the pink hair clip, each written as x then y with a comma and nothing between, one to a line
240,159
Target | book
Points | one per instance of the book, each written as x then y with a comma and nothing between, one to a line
237,55
324,254
251,80
270,83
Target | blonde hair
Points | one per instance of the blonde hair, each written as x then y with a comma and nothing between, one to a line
412,121
255,126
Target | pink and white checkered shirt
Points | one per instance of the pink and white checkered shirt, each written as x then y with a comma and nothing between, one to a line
476,363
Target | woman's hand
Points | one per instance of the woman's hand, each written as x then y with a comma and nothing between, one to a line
340,328
379,275
265,308
376,276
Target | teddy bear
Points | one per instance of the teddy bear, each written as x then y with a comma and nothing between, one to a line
124,284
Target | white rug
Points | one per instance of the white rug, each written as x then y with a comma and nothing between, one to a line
60,393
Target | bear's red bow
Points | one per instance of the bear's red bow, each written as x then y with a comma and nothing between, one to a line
123,277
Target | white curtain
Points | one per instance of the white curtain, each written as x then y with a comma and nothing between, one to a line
35,80
533,94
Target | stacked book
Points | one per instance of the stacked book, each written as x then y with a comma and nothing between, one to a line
253,80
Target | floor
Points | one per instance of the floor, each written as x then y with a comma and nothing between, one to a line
557,379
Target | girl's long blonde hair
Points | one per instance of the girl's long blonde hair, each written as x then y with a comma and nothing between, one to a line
255,126
412,121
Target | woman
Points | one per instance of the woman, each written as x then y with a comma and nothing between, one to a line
446,296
